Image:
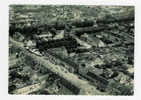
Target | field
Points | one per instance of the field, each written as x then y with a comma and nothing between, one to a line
71,50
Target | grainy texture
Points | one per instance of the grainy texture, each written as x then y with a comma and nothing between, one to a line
71,50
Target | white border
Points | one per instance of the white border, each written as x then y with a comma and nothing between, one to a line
72,2
4,47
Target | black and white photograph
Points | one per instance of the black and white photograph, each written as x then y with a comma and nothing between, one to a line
71,50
